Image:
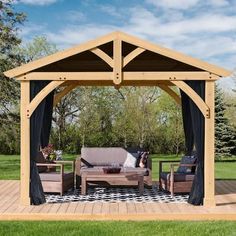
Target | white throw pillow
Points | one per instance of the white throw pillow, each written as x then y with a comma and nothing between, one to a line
131,160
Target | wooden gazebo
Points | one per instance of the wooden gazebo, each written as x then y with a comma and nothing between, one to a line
118,59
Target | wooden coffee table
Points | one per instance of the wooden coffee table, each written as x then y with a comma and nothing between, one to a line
87,176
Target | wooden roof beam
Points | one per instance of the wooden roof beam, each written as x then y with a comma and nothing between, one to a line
128,76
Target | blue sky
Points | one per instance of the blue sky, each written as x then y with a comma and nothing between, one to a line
205,29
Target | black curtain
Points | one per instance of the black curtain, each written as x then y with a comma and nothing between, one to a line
194,127
40,117
47,120
187,123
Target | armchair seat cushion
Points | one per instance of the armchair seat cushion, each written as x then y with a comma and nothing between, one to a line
178,177
55,176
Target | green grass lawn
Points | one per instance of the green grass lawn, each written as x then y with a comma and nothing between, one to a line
10,166
97,228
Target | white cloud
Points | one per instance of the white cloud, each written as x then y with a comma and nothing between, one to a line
73,35
30,30
200,36
37,2
219,3
111,10
75,16
173,4
150,24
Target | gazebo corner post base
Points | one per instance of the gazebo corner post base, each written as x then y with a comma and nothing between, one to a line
24,201
25,145
209,147
209,202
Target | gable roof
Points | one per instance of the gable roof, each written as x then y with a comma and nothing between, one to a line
23,69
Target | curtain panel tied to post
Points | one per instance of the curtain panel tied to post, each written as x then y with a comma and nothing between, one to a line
40,126
194,127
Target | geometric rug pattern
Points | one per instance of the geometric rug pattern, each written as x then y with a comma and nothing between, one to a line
117,194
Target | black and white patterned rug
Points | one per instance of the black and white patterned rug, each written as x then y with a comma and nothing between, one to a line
117,194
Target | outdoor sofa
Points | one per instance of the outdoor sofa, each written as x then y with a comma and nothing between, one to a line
95,159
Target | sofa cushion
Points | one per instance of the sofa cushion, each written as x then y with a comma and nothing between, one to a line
178,177
55,176
104,156
142,160
186,160
131,160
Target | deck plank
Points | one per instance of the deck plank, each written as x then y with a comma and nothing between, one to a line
114,208
10,207
88,209
122,208
80,207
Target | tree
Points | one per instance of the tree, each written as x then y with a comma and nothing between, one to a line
224,133
39,47
136,119
10,20
171,139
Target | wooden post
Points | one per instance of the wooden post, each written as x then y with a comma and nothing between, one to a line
209,163
25,145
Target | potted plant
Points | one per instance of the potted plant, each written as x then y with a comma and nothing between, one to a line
50,156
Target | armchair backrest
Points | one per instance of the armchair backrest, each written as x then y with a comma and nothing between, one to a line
187,160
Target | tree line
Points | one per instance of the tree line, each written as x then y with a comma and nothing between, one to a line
99,116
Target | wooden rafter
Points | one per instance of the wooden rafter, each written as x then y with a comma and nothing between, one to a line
175,55
41,95
103,56
60,55
194,96
132,55
118,36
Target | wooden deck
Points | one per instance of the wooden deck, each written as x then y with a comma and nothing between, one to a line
11,210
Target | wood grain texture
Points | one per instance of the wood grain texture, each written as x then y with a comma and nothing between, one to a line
225,209
113,37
